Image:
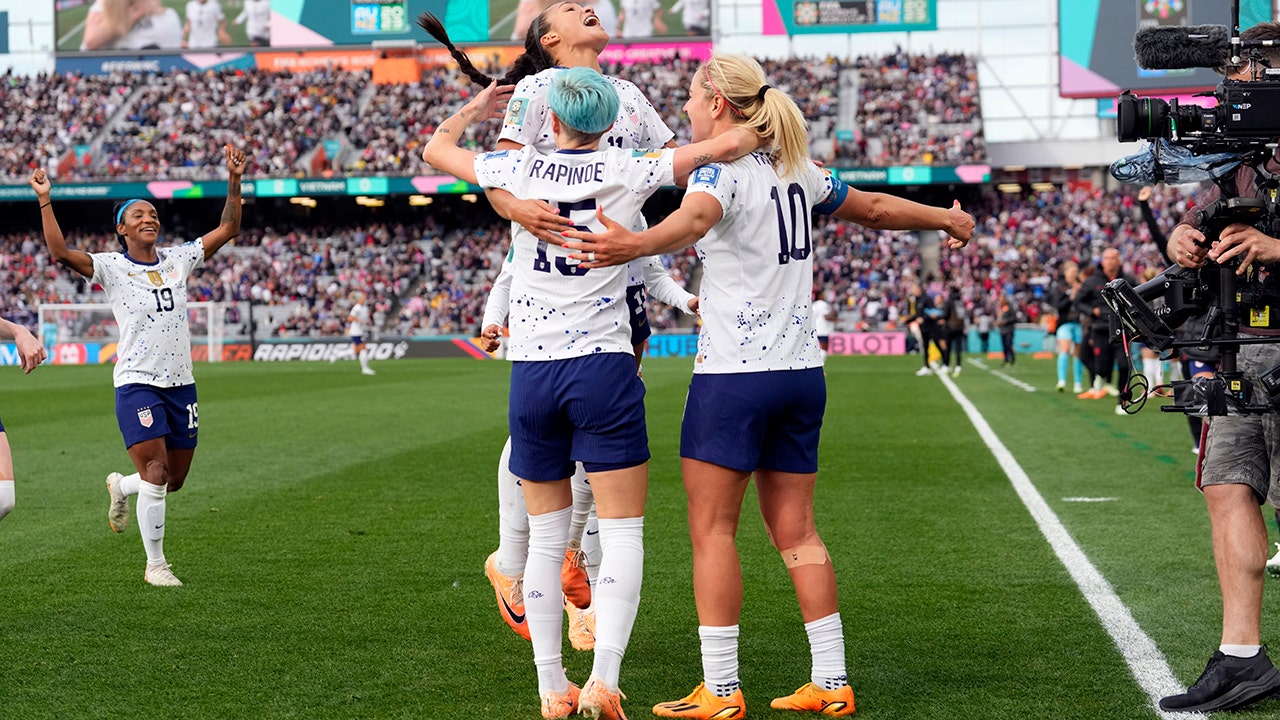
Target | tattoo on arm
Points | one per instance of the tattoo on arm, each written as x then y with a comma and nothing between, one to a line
702,159
231,211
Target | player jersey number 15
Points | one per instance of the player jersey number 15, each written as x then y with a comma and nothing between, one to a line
542,263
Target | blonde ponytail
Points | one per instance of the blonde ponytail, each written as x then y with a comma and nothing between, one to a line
754,104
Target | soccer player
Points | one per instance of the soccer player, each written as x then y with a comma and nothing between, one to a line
258,15
563,35
824,321
30,354
572,359
131,25
756,401
156,405
357,319
206,26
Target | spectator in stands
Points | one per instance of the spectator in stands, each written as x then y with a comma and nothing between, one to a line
131,25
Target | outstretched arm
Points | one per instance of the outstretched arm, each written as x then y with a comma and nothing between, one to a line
697,214
77,260
30,352
442,151
881,211
729,145
229,227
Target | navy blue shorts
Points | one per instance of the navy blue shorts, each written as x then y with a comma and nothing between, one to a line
755,421
357,339
589,409
640,330
1,427
145,412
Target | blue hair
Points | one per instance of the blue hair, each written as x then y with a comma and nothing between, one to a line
584,100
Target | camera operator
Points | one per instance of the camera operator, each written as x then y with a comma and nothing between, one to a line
1241,456
1109,351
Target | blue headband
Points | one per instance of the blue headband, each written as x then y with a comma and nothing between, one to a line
125,206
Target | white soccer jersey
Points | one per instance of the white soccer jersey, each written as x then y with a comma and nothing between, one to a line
149,301
821,325
757,267
204,18
658,283
151,32
694,13
359,317
258,13
557,309
528,119
638,20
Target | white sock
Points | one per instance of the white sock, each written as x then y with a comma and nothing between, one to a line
130,484
617,594
1240,651
591,548
6,497
1151,368
826,645
583,501
151,521
513,519
548,534
720,659
364,359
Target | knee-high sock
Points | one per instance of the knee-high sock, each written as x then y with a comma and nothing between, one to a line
513,519
364,359
826,645
6,497
543,610
1079,371
582,502
1063,362
129,485
591,548
151,520
720,659
617,593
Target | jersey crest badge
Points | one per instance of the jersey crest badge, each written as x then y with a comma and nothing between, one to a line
707,175
632,114
155,278
144,417
516,110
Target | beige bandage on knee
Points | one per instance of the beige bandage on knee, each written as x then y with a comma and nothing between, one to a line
806,555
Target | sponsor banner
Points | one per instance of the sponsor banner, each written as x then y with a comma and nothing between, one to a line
662,345
915,175
102,65
267,187
332,350
867,343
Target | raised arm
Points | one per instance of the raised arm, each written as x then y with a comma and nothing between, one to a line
229,227
729,145
442,152
77,260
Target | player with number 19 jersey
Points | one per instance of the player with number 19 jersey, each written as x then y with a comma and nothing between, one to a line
756,294
559,310
149,301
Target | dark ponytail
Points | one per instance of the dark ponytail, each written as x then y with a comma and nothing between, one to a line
534,60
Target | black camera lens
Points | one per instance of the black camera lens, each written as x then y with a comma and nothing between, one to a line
1141,118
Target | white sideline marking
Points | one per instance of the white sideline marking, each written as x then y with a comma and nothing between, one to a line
1007,378
1088,499
71,32
1145,660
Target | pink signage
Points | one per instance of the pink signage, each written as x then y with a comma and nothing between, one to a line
868,343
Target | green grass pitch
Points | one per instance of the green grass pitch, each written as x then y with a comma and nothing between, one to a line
333,529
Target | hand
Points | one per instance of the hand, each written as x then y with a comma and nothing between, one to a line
1185,247
693,305
1144,194
615,246
538,217
659,26
490,103
224,38
489,338
235,161
40,183
30,351
747,140
1246,243
960,226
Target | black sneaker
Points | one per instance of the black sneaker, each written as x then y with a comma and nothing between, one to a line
1227,683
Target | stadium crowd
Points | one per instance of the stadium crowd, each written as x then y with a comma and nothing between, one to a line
909,109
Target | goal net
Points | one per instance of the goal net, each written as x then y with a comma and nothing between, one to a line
81,324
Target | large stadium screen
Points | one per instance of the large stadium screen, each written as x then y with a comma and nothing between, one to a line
1095,40
190,26
798,17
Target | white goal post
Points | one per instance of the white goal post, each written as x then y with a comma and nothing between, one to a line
93,323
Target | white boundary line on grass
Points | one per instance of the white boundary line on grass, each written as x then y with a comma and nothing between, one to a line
1148,664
